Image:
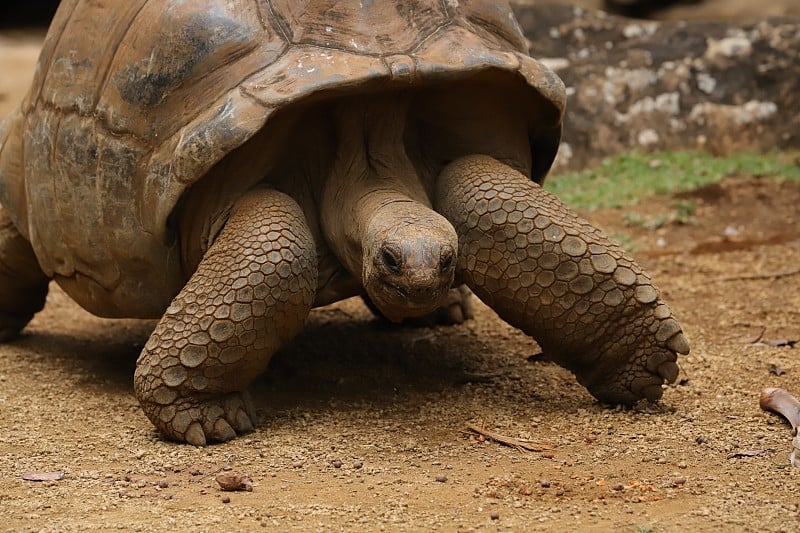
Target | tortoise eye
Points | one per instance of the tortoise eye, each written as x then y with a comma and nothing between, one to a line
446,262
391,260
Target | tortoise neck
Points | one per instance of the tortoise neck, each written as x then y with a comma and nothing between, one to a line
371,173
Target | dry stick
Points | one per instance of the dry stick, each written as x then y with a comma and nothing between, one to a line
508,441
772,275
752,339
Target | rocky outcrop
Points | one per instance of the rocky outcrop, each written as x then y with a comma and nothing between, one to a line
636,84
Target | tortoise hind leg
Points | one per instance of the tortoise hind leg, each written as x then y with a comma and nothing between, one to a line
550,273
23,285
250,294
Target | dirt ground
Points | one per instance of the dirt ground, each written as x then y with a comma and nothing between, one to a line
362,426
699,9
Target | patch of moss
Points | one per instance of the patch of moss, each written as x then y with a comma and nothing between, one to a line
625,179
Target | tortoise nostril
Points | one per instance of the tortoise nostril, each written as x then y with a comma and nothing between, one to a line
391,260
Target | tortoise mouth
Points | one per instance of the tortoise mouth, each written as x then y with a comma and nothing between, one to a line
397,300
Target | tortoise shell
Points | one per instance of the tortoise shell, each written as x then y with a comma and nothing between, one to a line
133,102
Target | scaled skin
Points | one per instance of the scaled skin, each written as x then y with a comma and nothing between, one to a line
227,165
249,295
407,240
551,274
398,201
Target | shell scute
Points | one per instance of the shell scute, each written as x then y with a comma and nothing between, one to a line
160,80
74,77
309,70
368,27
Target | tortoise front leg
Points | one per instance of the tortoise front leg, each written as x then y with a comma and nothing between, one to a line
562,281
250,294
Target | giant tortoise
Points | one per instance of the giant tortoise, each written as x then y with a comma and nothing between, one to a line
226,165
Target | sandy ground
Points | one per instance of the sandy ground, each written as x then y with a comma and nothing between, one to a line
362,426
701,9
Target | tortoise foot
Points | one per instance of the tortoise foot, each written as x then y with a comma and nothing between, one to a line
218,419
457,308
23,285
641,375
11,324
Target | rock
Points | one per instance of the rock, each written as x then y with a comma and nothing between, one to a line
727,51
721,86
647,137
231,481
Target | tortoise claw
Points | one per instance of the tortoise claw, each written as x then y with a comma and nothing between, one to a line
198,423
678,344
652,393
669,371
194,435
222,431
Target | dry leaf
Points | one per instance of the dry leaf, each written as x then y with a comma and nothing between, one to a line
780,343
42,476
778,371
752,339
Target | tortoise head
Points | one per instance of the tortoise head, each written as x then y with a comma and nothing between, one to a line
409,259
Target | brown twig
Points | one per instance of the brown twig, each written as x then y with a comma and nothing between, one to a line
519,444
771,275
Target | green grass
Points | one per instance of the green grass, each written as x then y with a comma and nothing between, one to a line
625,179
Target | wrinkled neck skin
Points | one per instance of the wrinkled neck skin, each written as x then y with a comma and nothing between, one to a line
377,217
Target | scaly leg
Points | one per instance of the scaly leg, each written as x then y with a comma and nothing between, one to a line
562,281
23,285
250,294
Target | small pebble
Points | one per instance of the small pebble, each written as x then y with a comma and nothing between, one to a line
618,487
297,464
358,464
226,499
701,440
163,484
681,465
545,483
441,478
495,516
336,463
679,482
